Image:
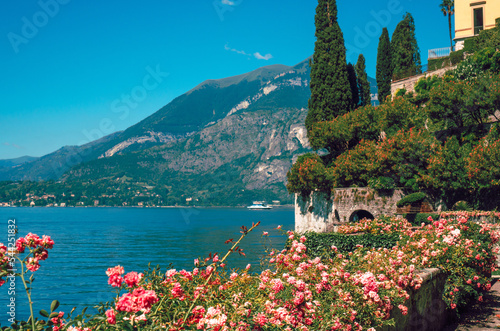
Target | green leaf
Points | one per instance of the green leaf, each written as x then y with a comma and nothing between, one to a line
44,313
54,314
54,305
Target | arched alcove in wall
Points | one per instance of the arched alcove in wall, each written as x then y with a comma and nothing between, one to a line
359,215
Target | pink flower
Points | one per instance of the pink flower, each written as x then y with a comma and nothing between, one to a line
21,244
248,266
216,258
41,254
260,319
278,227
32,240
277,285
265,233
115,280
111,316
46,242
133,278
32,264
118,270
114,274
177,291
233,276
196,262
171,273
139,299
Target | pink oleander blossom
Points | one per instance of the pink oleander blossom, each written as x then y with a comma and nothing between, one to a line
111,316
138,300
133,278
21,245
32,264
46,242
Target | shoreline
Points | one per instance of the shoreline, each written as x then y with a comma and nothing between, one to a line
155,207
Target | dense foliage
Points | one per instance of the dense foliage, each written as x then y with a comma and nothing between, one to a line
330,90
405,54
384,66
411,199
312,284
308,174
353,82
362,82
345,131
439,139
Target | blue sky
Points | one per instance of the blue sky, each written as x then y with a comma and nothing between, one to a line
68,67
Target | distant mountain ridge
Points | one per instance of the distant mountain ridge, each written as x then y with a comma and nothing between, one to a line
16,161
223,139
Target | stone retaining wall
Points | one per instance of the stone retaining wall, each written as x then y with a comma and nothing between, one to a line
409,83
426,308
321,212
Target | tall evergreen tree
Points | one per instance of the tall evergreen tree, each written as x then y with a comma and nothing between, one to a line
362,81
330,91
351,76
404,49
384,66
448,9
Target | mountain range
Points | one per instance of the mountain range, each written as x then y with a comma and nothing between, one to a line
224,142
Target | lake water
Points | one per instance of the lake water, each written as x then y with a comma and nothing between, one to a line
90,240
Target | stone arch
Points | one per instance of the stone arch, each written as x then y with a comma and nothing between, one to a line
359,214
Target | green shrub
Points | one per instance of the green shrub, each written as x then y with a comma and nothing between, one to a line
401,92
470,45
320,244
382,183
456,57
462,205
411,198
435,64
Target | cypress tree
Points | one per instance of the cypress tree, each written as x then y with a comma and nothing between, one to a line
384,66
404,49
362,82
351,76
330,91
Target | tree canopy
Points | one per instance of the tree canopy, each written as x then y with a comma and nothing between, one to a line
330,90
384,66
362,81
405,54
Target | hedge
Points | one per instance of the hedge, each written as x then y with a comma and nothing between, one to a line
411,198
456,57
320,244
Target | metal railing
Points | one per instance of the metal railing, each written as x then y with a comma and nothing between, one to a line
439,52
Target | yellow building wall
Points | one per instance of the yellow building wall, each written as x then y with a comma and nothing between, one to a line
464,20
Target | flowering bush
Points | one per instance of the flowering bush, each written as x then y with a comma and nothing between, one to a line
308,174
381,225
357,290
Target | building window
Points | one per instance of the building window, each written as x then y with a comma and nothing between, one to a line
478,20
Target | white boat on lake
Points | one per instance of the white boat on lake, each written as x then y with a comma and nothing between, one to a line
259,205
